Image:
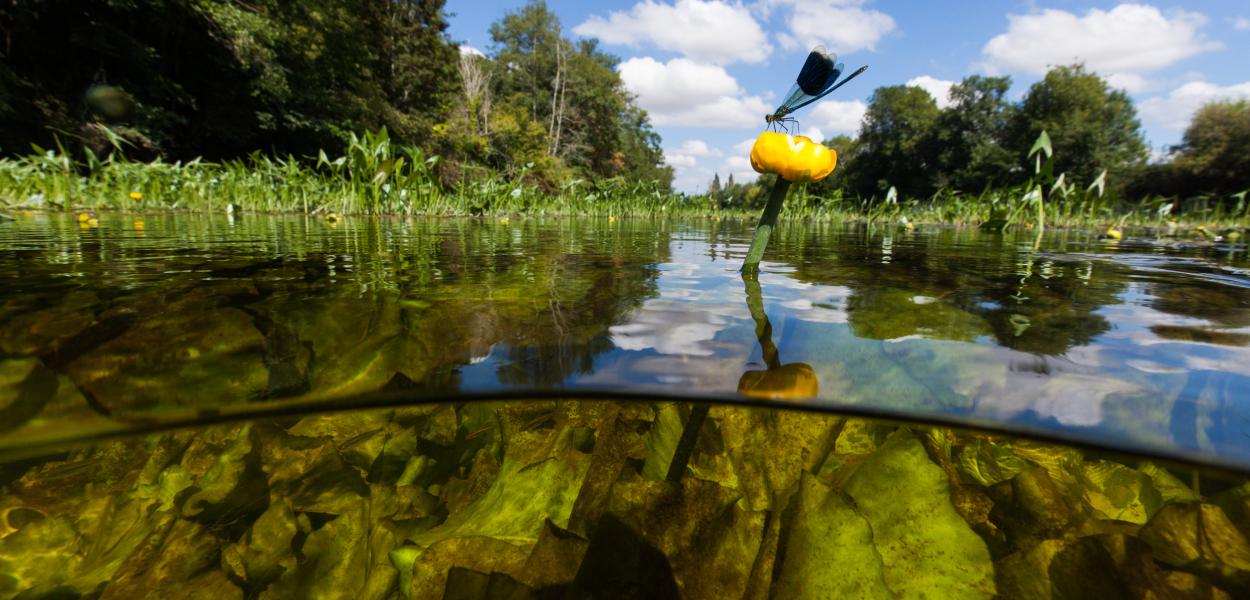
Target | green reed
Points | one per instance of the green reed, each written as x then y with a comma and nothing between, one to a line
376,175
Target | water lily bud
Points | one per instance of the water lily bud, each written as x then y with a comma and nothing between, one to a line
795,158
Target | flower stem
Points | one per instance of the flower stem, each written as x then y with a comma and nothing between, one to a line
768,220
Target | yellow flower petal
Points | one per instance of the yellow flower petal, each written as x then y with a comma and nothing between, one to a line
794,158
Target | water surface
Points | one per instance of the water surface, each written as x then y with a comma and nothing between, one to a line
1141,345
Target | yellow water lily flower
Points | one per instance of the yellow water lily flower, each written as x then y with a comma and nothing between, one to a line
85,216
139,225
795,158
1113,233
136,196
332,217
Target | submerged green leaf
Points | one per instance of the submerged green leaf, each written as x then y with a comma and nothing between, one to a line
925,546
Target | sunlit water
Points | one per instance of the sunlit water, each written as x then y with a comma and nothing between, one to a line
1144,344
131,358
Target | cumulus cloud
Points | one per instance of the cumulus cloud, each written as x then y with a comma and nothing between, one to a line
1174,110
467,49
688,93
710,31
688,154
836,116
1128,39
940,89
1129,82
1241,24
841,25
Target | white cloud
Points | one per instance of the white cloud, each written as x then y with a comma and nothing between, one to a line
1129,82
1174,110
467,49
813,133
940,89
687,93
674,159
697,148
842,25
688,154
837,116
1128,39
1241,24
740,168
710,31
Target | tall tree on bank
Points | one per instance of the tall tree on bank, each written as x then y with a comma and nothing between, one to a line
571,95
1092,126
894,146
969,137
1214,155
220,79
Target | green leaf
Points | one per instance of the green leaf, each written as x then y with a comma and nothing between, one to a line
1042,144
927,549
988,463
827,530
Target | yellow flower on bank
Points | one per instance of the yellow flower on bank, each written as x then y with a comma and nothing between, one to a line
332,217
136,196
795,158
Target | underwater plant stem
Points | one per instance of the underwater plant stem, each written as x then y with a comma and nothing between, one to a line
768,220
685,445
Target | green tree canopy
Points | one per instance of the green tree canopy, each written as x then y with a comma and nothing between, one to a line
969,136
894,148
1214,155
1092,126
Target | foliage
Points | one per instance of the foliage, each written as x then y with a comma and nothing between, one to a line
552,499
185,79
969,136
220,80
894,149
1214,155
1093,127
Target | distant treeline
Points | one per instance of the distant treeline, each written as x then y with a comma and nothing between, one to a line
179,79
981,141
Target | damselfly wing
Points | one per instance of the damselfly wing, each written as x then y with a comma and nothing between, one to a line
817,78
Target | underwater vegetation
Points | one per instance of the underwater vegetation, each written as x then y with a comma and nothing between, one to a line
565,499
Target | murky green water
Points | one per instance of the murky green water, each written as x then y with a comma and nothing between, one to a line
178,329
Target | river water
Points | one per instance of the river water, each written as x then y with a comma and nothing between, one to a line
240,379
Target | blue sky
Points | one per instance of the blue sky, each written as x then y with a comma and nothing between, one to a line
708,70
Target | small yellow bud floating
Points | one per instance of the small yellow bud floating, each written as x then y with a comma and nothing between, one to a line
794,158
136,196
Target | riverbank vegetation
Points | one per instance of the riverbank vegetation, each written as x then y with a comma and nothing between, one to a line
348,107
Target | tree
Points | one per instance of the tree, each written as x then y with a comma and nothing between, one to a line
970,135
1214,154
893,147
221,79
1092,127
573,92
